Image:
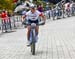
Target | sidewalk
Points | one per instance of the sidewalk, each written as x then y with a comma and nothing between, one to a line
56,41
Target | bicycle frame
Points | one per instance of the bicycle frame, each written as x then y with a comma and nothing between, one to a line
33,38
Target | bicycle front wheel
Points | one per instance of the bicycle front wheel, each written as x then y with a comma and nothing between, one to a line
33,48
33,43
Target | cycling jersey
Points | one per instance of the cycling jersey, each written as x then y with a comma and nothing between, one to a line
33,16
3,15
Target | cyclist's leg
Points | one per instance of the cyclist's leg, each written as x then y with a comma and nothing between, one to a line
28,32
37,30
37,27
28,35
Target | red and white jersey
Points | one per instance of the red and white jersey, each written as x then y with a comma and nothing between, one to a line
67,6
33,16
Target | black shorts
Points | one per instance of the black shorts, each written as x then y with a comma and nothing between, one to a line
30,21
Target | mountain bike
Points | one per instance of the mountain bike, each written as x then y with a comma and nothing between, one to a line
33,38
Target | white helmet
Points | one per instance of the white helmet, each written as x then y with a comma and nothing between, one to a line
32,6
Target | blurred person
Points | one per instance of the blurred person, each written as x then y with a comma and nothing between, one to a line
67,8
48,10
40,8
4,19
72,8
53,13
9,19
58,11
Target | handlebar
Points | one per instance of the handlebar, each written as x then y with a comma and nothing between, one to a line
40,23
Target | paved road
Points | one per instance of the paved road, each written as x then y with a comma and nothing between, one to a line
56,41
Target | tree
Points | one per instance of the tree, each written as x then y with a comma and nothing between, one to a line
6,4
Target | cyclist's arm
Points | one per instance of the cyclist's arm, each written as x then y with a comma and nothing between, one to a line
23,17
43,16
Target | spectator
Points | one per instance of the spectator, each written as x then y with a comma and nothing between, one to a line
72,8
9,20
40,8
48,10
4,18
47,6
3,15
8,14
53,12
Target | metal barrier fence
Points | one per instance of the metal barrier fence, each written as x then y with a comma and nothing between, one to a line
16,21
10,23
58,14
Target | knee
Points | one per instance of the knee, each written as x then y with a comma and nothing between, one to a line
37,28
28,28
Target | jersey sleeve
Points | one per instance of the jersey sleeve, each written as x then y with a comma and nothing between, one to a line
27,13
39,13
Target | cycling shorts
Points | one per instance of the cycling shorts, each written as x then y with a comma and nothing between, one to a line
33,21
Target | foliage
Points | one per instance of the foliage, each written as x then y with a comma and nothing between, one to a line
6,4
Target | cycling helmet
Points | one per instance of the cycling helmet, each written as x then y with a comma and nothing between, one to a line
32,6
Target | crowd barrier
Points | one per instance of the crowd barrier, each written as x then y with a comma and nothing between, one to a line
58,13
10,23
